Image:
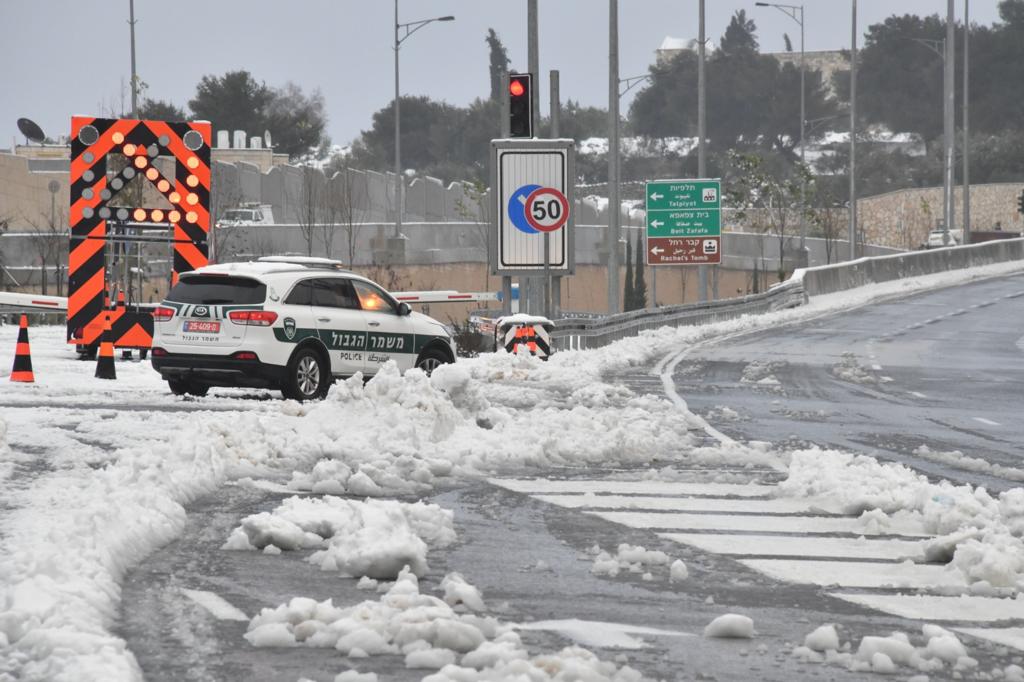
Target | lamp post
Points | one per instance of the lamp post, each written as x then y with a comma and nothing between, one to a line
791,12
410,28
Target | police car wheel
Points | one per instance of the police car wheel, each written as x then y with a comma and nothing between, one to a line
431,360
307,376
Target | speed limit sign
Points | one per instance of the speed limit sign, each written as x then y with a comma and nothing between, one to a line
546,209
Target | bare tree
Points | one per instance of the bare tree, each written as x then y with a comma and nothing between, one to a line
475,207
226,193
48,237
310,204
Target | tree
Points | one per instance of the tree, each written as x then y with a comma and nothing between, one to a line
499,62
628,292
789,43
296,120
740,35
640,284
234,101
161,110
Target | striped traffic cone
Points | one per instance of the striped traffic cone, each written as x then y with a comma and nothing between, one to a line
23,356
105,361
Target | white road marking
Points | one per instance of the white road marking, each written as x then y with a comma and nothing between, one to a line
858,573
986,421
1013,637
705,504
601,634
934,607
540,485
802,546
218,607
755,524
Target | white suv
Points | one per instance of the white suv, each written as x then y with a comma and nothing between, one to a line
288,323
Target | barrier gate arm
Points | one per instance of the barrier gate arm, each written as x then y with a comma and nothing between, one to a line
11,302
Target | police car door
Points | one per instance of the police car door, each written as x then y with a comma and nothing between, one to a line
340,324
297,322
389,335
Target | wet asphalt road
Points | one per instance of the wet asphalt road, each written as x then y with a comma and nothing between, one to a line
921,373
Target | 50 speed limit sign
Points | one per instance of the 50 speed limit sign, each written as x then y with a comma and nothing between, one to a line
546,209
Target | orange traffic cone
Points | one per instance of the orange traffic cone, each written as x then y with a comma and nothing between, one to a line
105,362
23,356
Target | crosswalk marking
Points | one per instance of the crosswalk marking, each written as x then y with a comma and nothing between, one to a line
935,607
540,485
794,540
858,573
756,524
801,546
705,504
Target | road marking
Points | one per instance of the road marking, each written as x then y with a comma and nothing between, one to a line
601,634
703,504
541,485
756,524
802,546
218,607
986,421
858,573
934,607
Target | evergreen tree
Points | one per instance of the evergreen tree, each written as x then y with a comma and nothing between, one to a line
639,285
628,294
499,62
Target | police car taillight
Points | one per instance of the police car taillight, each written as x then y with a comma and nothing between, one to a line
253,318
162,314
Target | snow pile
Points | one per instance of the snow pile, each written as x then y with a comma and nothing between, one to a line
849,369
940,649
981,535
967,463
634,559
428,632
761,373
730,626
374,538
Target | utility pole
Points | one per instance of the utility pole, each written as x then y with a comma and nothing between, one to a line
135,76
399,185
553,295
949,124
853,134
531,288
613,157
967,139
702,270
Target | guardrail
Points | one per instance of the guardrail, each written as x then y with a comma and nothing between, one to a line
577,334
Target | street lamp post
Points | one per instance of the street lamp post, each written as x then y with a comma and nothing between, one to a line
410,28
791,12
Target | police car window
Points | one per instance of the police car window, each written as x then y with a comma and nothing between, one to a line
302,294
217,289
374,299
334,293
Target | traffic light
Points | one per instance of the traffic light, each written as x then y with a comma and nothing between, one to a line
1020,203
520,95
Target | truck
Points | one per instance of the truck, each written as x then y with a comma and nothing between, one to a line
247,214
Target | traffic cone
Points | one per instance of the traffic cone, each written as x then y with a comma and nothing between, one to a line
105,361
23,356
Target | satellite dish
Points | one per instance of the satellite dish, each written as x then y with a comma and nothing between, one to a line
266,139
31,130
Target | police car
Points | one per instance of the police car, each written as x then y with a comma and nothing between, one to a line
293,324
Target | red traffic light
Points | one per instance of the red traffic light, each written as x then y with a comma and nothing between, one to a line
516,88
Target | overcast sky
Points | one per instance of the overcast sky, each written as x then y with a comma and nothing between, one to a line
64,57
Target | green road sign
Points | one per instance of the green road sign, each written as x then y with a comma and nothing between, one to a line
683,224
687,212
684,194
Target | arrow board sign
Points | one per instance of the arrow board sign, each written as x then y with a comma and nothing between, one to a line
532,189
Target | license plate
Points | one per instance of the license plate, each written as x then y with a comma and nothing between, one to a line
202,326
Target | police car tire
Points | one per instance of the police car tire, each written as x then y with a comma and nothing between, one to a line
179,387
430,360
302,359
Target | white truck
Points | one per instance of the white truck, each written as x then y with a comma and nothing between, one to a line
247,214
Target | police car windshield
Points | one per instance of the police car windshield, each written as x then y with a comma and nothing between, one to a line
218,289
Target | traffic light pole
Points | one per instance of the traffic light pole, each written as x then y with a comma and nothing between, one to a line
613,157
553,288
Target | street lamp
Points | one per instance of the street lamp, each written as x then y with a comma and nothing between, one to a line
410,28
791,12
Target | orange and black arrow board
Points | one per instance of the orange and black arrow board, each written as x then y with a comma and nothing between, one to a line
95,204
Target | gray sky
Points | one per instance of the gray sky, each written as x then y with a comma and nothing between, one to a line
64,57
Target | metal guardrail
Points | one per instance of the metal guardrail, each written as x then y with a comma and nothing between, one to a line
578,334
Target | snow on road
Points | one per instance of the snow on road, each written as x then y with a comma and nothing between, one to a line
96,474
